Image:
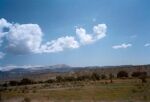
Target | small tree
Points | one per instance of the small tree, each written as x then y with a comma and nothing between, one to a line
103,76
13,83
95,76
80,78
141,75
122,74
26,81
49,81
111,76
143,78
69,78
5,85
59,78
138,74
83,78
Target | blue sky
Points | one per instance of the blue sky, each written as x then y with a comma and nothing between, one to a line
74,32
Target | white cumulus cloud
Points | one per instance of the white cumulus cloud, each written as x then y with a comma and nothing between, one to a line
3,24
59,44
28,38
99,32
24,38
83,36
124,45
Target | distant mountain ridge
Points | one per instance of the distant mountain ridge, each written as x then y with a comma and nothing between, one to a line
46,72
17,72
33,68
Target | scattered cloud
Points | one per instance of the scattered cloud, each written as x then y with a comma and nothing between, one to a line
99,32
59,44
28,38
147,45
83,36
124,45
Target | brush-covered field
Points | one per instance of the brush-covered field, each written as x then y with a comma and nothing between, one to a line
121,90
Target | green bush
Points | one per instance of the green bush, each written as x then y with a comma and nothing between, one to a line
103,76
59,79
138,74
26,81
13,83
50,81
122,74
95,76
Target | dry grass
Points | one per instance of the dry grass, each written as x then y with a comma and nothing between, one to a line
122,90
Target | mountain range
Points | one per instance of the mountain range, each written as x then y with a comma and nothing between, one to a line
46,72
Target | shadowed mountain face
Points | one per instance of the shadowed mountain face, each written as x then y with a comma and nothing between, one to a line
46,72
